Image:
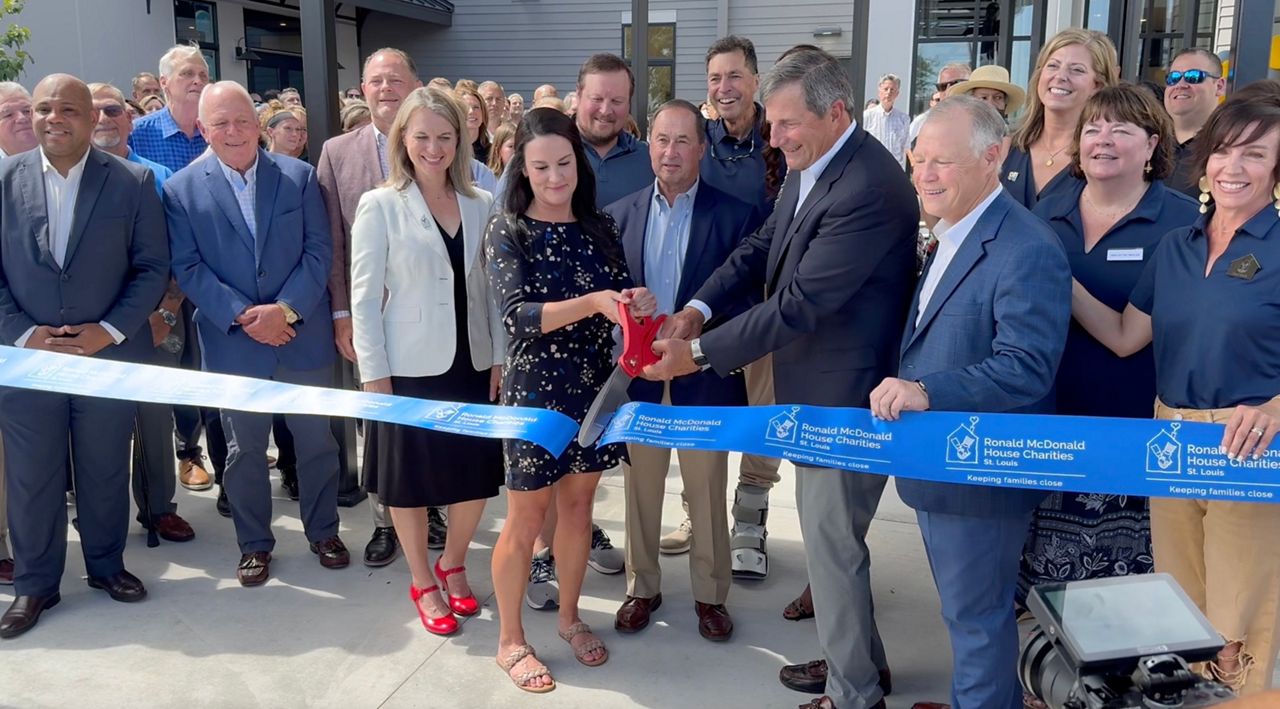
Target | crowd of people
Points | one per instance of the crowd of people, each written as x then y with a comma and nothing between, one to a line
1076,246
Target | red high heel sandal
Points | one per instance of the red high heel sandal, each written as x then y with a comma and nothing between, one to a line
444,625
462,605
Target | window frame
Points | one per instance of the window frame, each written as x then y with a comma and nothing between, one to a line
210,50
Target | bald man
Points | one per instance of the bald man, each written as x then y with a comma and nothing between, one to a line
545,91
85,286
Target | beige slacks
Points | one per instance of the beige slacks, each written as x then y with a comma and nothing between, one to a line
705,475
759,470
1225,556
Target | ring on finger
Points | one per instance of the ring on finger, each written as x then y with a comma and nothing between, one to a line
1257,431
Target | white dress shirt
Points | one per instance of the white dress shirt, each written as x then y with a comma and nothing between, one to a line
891,128
60,207
808,178
950,237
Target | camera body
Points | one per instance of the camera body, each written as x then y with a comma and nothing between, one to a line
1118,643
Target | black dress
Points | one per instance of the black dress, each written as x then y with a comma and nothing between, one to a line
561,370
408,466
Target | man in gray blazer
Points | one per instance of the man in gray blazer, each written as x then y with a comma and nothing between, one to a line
84,262
837,260
985,332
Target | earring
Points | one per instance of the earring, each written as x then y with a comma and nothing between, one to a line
1204,194
1147,170
1275,192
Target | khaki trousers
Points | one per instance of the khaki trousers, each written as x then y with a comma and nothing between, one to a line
759,470
1225,556
705,475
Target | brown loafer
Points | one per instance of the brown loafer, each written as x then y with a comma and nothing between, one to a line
930,705
6,572
811,677
824,702
332,552
192,475
254,568
173,528
24,612
634,614
714,622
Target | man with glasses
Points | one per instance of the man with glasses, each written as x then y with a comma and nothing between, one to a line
156,464
892,128
1193,87
949,76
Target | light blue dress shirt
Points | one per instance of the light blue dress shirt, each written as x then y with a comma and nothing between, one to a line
245,188
666,241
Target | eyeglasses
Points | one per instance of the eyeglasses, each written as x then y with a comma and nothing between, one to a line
739,156
943,86
113,110
1191,76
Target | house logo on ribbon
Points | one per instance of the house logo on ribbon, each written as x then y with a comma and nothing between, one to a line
784,428
1164,452
445,412
963,444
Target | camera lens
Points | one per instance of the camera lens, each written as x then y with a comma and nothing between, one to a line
1045,673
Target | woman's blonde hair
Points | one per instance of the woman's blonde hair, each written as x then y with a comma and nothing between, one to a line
1106,66
505,132
443,104
273,114
462,92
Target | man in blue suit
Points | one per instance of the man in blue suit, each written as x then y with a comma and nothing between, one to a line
251,243
985,333
675,233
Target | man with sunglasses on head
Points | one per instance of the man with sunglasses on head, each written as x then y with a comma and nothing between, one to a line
1194,85
950,75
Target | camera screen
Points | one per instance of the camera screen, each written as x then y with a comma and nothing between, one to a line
1140,613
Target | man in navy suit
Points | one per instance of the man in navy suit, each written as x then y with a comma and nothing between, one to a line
837,260
83,263
251,249
675,233
985,333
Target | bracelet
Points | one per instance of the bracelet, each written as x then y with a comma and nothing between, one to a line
923,389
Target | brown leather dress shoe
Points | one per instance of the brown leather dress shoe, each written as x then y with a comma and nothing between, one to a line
254,568
811,677
122,586
824,702
24,612
192,475
634,614
173,528
930,705
6,572
332,552
714,622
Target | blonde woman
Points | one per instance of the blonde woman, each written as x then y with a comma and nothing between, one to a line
1070,69
426,327
477,120
282,130
504,146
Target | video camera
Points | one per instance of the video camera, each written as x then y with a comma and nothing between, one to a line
1117,643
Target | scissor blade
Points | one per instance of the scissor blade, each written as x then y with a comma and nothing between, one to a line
611,397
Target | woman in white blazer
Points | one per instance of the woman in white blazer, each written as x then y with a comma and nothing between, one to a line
426,327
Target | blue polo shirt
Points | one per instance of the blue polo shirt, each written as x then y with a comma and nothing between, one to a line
160,172
157,137
737,167
1092,380
623,170
1016,176
1217,338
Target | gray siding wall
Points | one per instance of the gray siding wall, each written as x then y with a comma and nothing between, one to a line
775,26
523,44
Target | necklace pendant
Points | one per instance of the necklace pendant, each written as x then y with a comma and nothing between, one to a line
1049,162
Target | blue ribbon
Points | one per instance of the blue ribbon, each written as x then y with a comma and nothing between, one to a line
88,376
1141,457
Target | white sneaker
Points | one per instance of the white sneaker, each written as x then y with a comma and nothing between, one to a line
543,591
679,541
604,558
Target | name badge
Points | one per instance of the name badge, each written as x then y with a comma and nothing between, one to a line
1124,254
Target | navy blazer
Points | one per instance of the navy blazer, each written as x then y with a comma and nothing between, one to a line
117,263
990,340
224,270
720,222
838,275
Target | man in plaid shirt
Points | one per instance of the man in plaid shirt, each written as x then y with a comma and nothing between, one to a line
169,136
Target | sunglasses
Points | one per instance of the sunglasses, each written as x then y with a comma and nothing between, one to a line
113,111
943,87
1191,76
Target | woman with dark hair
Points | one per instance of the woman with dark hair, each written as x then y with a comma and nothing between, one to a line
1209,302
557,270
1110,224
477,120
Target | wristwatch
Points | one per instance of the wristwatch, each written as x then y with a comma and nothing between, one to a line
290,315
698,358
168,317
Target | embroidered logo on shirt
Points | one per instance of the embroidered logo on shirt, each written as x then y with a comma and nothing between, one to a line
1013,176
1245,267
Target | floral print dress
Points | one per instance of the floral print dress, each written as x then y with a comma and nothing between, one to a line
528,266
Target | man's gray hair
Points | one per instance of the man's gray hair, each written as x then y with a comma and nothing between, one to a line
891,78
180,54
988,126
9,89
821,77
956,66
216,88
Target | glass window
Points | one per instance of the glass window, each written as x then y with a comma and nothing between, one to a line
198,22
662,65
1097,15
975,32
930,58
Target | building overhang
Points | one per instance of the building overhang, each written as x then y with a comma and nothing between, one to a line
437,12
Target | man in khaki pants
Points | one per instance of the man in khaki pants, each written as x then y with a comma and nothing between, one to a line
675,233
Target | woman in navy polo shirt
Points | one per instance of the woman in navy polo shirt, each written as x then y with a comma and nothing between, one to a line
1210,302
1109,225
1072,66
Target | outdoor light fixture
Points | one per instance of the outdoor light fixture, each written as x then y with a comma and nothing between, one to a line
828,32
244,54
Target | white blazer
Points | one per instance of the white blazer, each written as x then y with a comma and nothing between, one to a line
402,287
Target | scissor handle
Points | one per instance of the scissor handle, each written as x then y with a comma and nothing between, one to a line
638,335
